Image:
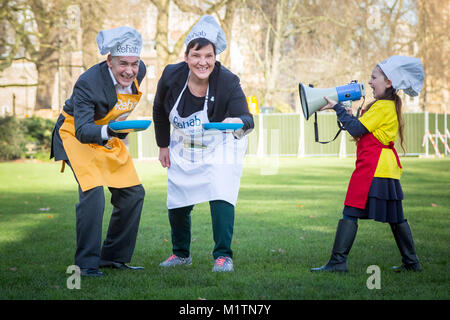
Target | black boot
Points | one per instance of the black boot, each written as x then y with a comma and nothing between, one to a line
405,243
343,241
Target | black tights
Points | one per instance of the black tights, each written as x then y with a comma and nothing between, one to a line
354,219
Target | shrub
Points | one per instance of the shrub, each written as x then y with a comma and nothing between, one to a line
38,131
12,140
28,137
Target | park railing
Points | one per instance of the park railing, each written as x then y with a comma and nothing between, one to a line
280,134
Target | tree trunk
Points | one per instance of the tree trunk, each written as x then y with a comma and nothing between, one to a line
49,19
46,82
91,23
162,31
227,26
273,52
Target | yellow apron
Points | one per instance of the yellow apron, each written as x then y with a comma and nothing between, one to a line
95,165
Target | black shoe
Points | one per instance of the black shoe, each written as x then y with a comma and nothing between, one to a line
91,272
118,265
405,267
343,241
405,243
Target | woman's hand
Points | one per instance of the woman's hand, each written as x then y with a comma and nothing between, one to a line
329,105
164,157
232,120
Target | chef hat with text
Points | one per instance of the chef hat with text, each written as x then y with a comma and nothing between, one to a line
208,28
406,73
121,41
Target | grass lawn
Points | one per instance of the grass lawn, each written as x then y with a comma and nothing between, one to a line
286,218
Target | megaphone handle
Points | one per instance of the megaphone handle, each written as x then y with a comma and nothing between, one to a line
358,112
316,131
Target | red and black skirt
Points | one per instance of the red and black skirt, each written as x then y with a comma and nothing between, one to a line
384,202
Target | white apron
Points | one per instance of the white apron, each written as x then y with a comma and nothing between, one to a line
205,165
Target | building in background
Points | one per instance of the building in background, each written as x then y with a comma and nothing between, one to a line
18,82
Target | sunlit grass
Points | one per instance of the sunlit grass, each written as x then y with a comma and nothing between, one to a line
286,218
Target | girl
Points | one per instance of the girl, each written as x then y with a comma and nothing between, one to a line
374,191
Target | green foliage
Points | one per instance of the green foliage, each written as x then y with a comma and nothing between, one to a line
12,140
39,131
28,137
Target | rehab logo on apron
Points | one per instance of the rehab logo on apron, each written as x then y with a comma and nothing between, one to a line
126,106
191,145
95,165
205,165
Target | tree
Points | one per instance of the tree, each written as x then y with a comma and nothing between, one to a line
226,22
49,18
165,54
323,43
227,25
9,48
92,18
369,32
434,51
273,33
36,28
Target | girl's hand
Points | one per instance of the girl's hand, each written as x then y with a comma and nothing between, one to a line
348,107
164,157
329,105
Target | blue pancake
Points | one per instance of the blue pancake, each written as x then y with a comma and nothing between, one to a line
222,126
129,125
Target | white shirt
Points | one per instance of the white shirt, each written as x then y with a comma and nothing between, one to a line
121,90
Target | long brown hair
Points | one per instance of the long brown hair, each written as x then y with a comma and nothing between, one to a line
391,94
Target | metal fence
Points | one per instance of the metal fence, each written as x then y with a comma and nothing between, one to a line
291,135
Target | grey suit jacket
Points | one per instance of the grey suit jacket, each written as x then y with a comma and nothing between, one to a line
94,95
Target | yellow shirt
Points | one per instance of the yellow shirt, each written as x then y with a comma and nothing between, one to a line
381,121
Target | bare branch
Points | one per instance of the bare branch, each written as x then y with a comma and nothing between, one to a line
18,85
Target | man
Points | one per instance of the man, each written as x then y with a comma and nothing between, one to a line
108,91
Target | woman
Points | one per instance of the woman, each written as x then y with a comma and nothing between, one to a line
202,165
374,191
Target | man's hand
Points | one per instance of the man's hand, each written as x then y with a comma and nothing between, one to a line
112,133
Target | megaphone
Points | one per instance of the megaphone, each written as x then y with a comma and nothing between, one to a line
312,98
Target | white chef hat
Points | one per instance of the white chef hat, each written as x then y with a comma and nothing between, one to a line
406,73
121,41
208,28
